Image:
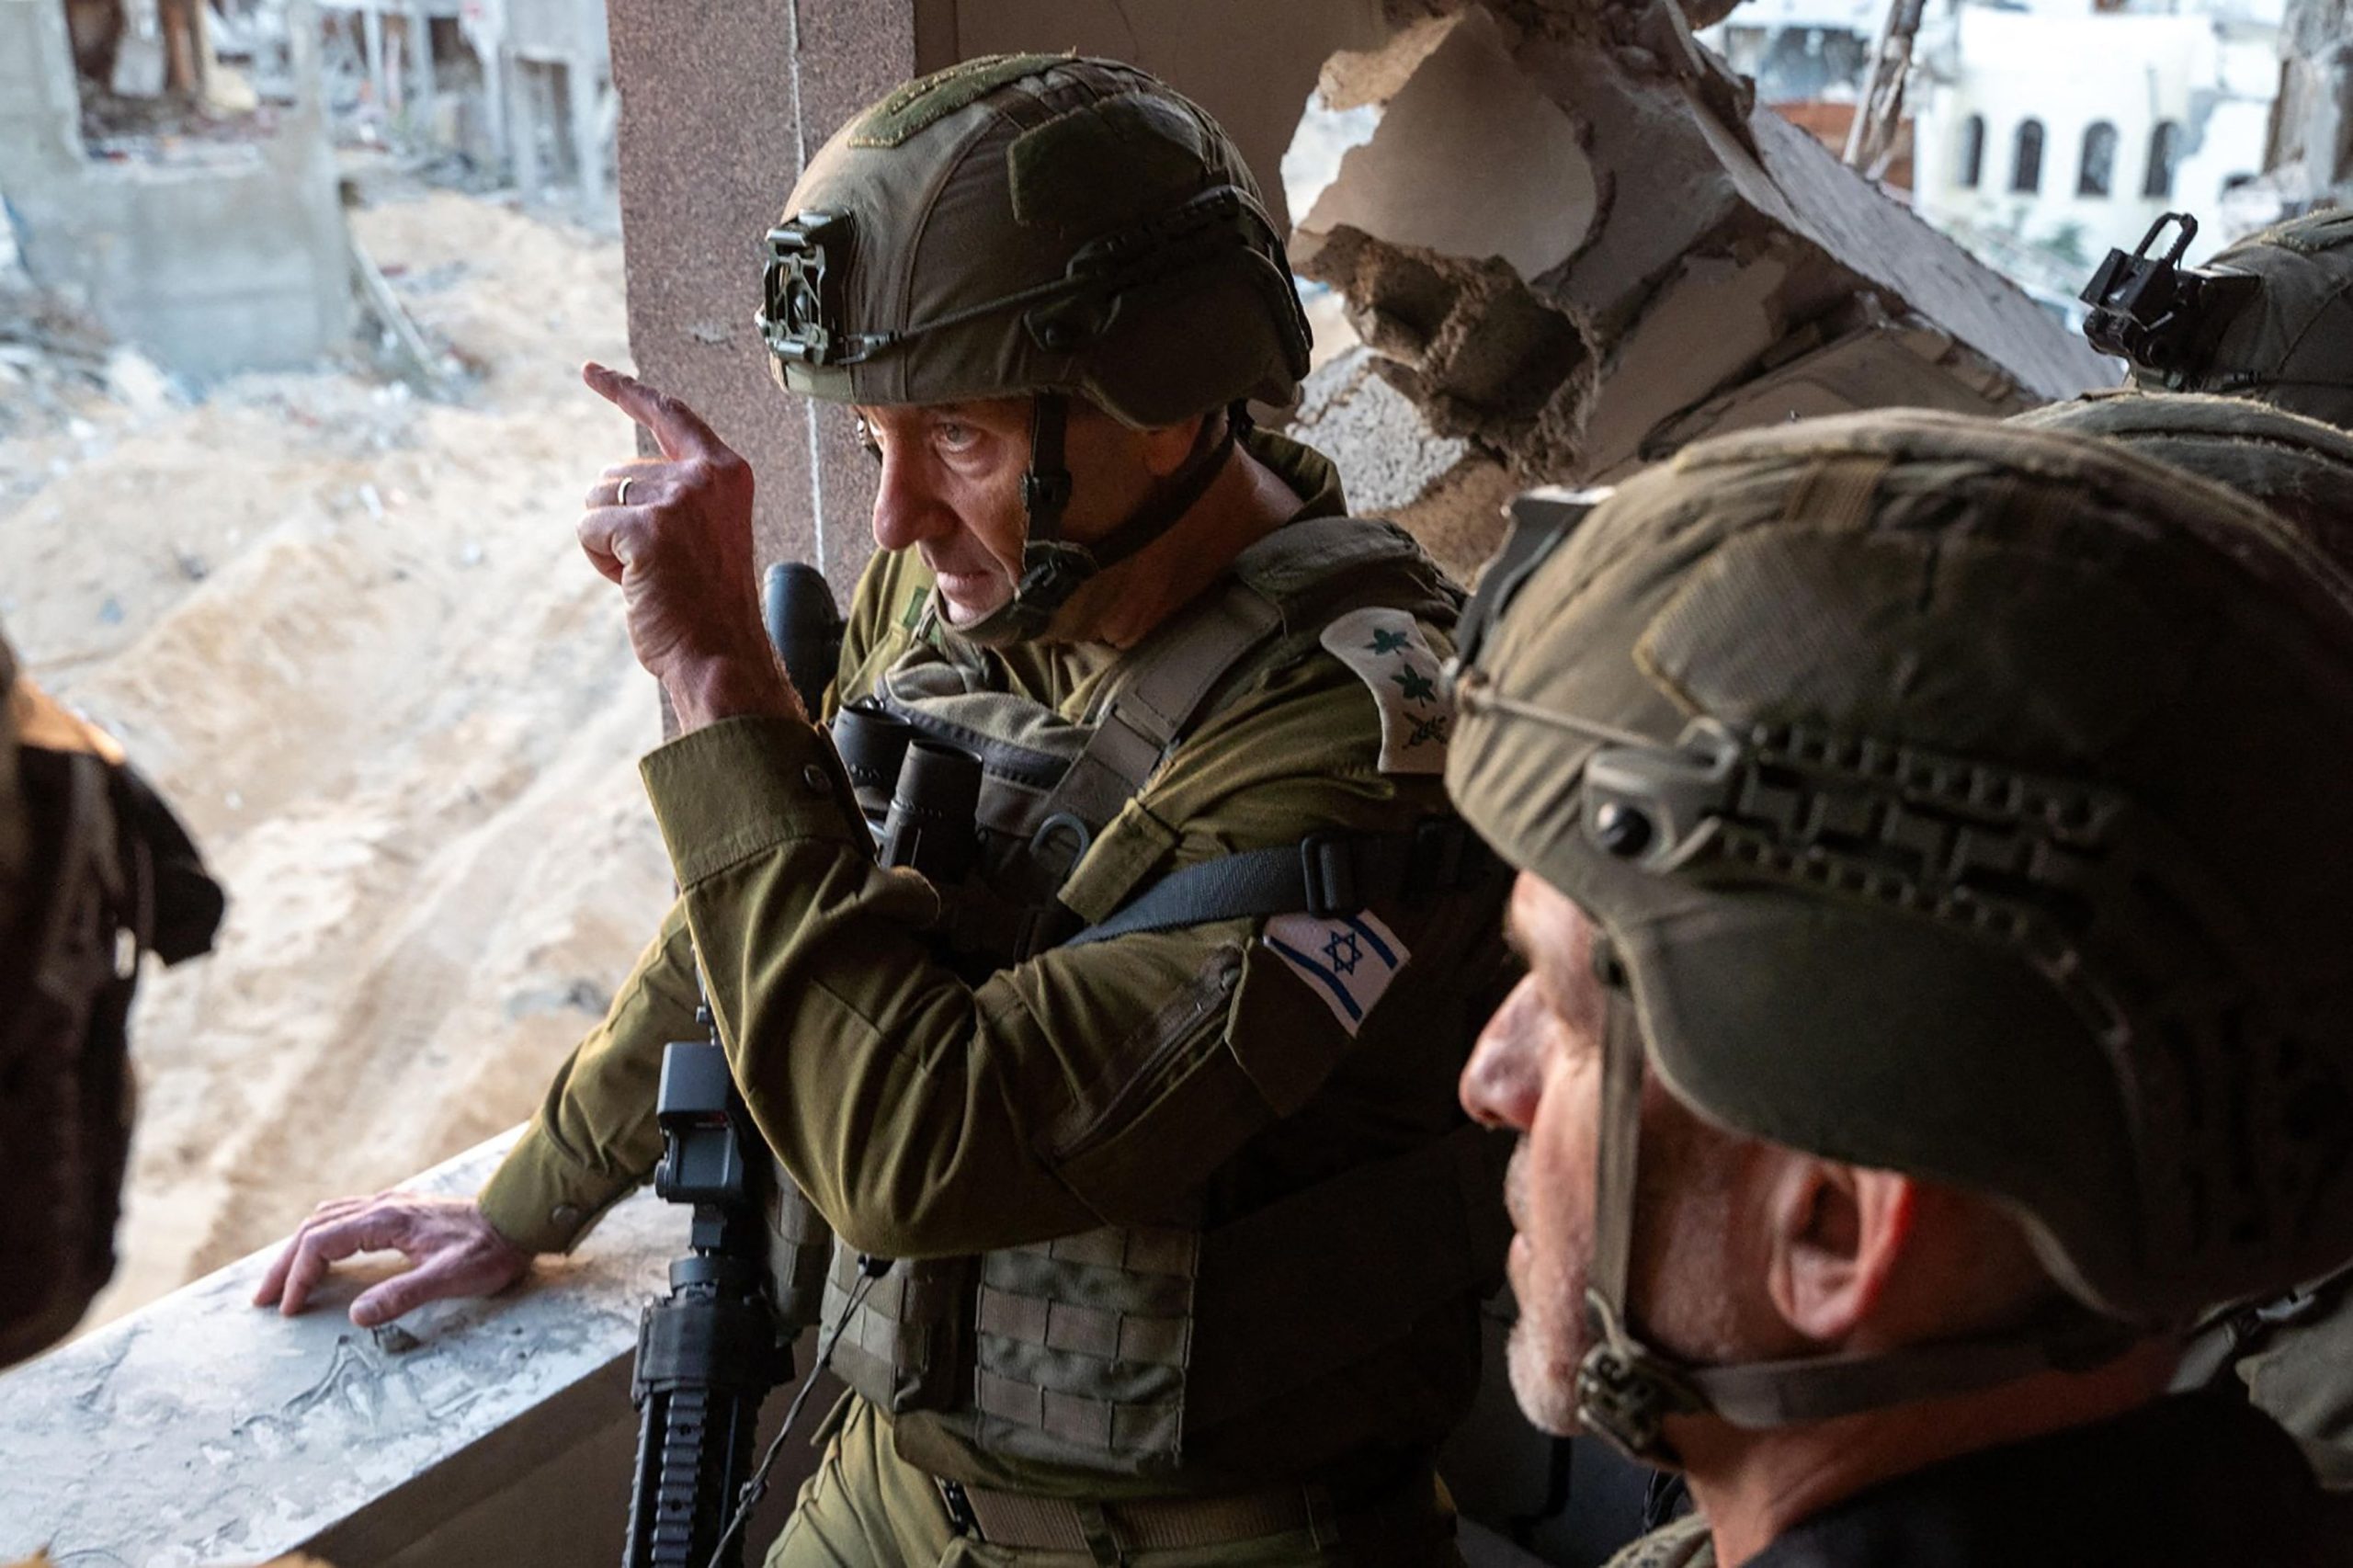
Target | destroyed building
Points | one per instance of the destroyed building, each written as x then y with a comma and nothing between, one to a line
1620,253
2036,160
211,242
168,169
2308,160
1566,241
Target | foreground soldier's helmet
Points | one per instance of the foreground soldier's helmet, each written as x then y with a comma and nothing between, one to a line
2268,318
94,869
1044,225
2297,466
1955,799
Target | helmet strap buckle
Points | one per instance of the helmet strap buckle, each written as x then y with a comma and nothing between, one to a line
1625,1393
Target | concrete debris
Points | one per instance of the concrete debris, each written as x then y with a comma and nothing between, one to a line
1357,405
51,358
1617,252
2310,160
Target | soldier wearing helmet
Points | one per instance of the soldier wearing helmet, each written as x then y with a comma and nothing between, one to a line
2295,465
2293,1354
2270,317
1147,1121
1934,1006
94,871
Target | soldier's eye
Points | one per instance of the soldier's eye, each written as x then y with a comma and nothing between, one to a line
872,447
953,436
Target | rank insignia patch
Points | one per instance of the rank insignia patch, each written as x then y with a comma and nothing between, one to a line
1389,655
1348,960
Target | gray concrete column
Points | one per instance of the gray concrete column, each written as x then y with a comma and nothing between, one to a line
40,107
580,94
427,89
719,105
371,40
525,107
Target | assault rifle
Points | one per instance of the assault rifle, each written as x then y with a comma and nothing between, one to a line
709,1353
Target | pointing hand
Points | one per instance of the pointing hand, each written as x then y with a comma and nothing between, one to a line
675,533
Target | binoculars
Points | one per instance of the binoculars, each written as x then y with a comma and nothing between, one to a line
919,796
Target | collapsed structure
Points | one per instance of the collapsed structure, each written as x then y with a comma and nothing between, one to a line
1619,254
168,169
211,251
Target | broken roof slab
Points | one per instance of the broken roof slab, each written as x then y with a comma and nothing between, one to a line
1578,238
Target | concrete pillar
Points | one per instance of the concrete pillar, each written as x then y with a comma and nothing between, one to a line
719,103
493,61
371,44
40,107
524,111
580,80
419,26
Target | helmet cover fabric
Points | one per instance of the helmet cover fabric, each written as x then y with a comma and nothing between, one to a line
2290,343
2016,889
964,202
2298,466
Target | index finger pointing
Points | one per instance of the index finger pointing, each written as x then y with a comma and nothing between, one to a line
678,429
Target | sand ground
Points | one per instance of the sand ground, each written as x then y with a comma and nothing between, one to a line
350,634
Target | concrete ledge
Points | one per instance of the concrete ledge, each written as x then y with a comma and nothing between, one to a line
202,1430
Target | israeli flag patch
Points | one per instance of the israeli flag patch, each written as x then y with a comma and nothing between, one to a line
1389,655
1348,960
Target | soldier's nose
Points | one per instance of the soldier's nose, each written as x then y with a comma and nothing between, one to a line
906,511
1504,1078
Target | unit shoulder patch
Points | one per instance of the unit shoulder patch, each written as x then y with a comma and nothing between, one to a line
1390,653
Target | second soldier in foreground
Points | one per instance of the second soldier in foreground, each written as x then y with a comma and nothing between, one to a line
1199,1231
1935,1000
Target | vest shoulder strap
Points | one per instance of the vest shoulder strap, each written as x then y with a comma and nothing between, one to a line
1285,585
1323,874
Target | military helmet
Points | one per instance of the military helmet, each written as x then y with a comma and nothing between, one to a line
1041,225
2297,466
1954,798
2270,317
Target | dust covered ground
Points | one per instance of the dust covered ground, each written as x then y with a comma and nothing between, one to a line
351,634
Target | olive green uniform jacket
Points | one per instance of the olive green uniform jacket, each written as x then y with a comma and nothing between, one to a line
928,1117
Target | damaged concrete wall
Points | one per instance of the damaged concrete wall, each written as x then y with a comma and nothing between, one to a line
2310,160
1617,252
211,259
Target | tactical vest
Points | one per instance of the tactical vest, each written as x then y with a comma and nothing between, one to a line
1101,1350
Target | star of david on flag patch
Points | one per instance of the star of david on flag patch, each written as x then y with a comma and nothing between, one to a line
1349,960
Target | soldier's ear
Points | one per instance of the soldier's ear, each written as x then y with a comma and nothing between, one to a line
1836,1236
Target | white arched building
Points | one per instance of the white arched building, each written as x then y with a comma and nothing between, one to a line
2046,132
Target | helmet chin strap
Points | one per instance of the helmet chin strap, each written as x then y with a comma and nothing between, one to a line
1053,568
1626,1389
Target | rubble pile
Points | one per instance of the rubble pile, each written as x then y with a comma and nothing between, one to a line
348,630
1619,252
53,359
